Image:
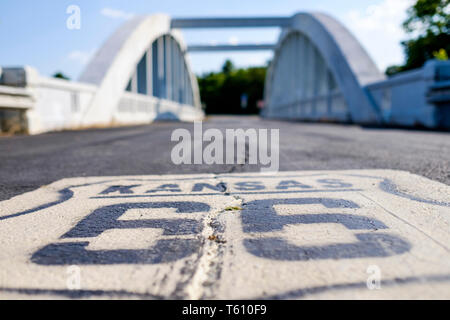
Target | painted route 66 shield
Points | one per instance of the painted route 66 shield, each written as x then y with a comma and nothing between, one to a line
307,234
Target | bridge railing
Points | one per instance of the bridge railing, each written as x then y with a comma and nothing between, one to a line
37,104
137,108
419,97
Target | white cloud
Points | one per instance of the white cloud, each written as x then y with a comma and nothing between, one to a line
81,57
379,29
116,14
234,41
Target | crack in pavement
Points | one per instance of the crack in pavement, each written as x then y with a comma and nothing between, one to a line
209,267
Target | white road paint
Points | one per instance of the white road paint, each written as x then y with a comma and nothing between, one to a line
304,234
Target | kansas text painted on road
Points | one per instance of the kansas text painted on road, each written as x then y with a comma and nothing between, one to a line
322,234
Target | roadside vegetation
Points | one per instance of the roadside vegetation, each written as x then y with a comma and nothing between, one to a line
232,90
428,26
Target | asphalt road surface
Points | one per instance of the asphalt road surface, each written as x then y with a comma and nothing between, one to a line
28,162
354,213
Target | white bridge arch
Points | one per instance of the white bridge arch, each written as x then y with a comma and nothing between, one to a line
319,69
143,57
319,72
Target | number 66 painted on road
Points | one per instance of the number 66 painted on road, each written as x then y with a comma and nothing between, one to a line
107,218
259,216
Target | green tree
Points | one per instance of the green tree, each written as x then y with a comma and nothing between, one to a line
428,16
228,67
428,23
221,92
60,75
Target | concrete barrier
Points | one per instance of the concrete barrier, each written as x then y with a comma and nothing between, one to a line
415,98
14,103
33,104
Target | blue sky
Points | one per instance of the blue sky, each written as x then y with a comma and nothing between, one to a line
34,32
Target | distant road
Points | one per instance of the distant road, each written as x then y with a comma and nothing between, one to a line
28,162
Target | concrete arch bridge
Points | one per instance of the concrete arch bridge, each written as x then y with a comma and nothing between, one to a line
319,72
